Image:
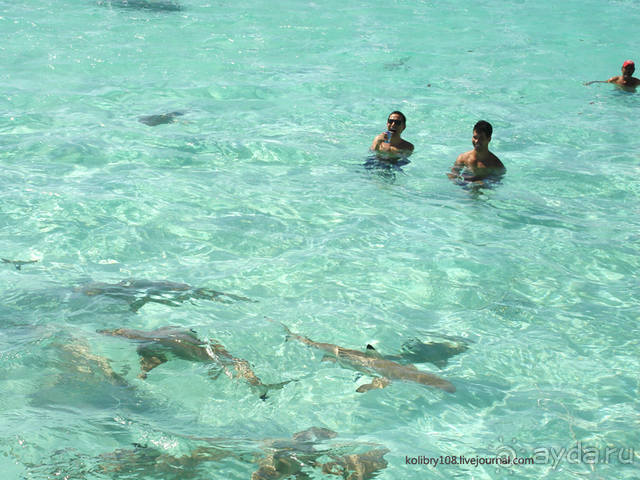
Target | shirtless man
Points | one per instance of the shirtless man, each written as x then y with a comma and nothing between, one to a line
390,142
627,81
478,163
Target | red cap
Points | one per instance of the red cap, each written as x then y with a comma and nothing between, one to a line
627,63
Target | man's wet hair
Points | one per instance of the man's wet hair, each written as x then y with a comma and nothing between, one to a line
404,119
483,127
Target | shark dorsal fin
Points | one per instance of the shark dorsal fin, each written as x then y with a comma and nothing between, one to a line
372,352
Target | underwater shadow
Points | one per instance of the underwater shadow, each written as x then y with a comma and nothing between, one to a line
150,5
386,169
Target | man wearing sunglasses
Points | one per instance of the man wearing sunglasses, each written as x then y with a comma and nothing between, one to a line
390,142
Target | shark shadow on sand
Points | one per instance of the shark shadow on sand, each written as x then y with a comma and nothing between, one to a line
137,293
371,363
155,120
157,346
385,168
417,351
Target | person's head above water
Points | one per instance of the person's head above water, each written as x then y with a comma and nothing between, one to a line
482,132
483,126
480,163
396,121
400,114
627,81
391,140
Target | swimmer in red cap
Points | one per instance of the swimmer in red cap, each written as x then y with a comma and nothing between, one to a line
627,81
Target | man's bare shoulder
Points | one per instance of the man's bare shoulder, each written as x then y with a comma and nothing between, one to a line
465,157
618,80
495,161
406,146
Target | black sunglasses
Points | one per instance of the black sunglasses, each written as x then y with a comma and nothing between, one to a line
394,120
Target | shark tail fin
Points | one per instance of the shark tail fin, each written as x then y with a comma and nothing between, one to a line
286,329
264,388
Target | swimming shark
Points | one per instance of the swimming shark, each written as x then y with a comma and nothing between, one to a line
151,5
154,120
383,370
137,293
276,459
296,456
76,377
18,263
156,344
397,64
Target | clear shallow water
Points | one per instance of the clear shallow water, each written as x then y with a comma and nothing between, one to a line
259,190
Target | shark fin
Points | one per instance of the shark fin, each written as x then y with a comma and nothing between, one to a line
440,363
372,352
378,382
329,358
149,361
286,329
214,372
138,304
263,389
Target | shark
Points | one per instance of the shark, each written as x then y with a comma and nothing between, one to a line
76,377
150,5
292,458
397,64
276,459
155,346
371,363
137,293
155,120
18,263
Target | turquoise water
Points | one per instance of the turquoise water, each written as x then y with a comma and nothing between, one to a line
259,190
